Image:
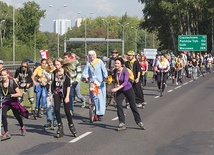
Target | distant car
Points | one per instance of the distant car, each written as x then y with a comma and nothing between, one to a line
29,60
36,65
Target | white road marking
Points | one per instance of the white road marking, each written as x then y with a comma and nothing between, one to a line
177,87
185,83
80,137
116,118
191,81
157,96
170,90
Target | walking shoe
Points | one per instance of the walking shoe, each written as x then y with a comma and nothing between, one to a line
23,131
121,127
95,118
140,124
83,105
144,103
100,117
5,136
139,105
127,106
176,83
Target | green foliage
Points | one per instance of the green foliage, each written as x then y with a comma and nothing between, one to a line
29,40
172,18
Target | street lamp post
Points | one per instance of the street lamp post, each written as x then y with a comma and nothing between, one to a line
13,33
1,23
136,32
123,26
35,42
107,33
58,26
85,31
212,37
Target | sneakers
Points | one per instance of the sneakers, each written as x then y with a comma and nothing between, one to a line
144,103
140,124
121,127
5,136
127,106
95,118
23,131
176,83
139,105
83,105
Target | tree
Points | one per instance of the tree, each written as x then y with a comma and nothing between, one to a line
172,18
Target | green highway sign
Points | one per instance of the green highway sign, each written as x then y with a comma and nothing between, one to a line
192,43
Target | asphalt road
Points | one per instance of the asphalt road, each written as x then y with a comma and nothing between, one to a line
179,123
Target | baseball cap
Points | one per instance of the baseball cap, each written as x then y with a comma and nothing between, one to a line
1,61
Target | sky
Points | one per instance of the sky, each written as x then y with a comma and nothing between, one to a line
99,8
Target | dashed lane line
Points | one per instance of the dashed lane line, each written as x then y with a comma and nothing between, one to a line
157,96
191,81
177,87
170,90
116,118
80,137
185,83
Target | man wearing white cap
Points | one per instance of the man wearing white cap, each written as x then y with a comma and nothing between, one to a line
95,71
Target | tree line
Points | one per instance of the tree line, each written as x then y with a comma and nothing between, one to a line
170,18
163,21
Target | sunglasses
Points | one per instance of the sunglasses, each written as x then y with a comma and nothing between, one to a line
114,53
130,55
24,66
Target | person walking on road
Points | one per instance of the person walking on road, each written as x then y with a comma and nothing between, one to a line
124,89
10,90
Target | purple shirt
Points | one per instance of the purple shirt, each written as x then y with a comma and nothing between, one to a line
123,79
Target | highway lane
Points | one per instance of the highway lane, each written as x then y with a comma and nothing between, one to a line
180,122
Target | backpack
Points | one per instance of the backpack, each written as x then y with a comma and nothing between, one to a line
131,75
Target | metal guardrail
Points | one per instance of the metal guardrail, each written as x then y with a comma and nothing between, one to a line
14,66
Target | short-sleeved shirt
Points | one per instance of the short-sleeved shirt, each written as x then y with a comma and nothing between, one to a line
24,76
38,73
11,89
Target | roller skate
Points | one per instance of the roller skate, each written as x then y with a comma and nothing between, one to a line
72,129
48,124
59,132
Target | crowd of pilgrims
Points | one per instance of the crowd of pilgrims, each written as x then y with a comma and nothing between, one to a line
117,79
